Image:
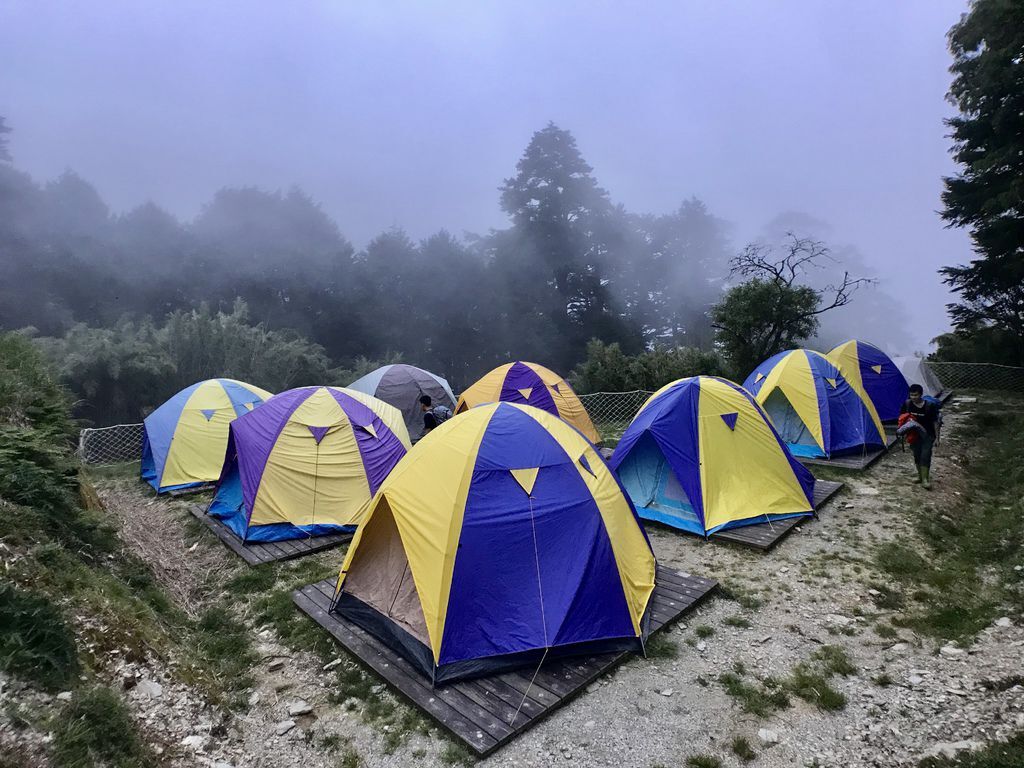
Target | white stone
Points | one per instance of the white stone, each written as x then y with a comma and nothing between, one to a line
1004,621
194,741
951,650
915,679
838,619
283,727
65,696
768,736
331,665
299,707
667,692
150,688
951,749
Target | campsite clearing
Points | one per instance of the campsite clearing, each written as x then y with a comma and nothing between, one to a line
903,689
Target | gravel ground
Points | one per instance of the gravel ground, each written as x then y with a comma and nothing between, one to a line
814,590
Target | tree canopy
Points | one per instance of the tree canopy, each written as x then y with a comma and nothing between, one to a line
987,194
774,309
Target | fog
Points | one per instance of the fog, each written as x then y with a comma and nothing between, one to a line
411,114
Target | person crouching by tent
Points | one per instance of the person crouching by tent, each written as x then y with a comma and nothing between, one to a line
919,424
433,415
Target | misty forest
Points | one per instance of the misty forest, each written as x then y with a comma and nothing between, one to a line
263,286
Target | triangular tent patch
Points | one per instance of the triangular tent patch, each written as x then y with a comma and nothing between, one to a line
586,465
832,382
208,413
249,406
318,433
526,478
555,387
525,392
369,428
759,377
730,419
876,368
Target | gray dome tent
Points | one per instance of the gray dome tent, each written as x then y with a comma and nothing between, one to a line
402,385
917,371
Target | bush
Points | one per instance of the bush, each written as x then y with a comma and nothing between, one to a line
35,643
608,369
96,730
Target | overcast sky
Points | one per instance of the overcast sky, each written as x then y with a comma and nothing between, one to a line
411,113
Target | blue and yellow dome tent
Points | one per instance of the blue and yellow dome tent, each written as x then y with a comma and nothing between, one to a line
183,440
502,538
813,407
873,374
702,456
307,463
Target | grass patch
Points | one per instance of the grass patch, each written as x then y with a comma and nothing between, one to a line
96,730
745,597
703,631
223,650
703,761
661,646
738,621
813,687
252,581
757,699
742,749
35,643
886,631
1006,754
349,758
888,598
834,660
275,607
456,754
883,680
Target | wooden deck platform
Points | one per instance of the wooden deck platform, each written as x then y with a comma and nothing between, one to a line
189,491
766,535
481,713
271,551
854,461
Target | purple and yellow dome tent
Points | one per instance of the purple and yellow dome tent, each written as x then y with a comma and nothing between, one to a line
530,384
306,463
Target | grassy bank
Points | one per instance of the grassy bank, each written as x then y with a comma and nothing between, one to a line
74,598
967,573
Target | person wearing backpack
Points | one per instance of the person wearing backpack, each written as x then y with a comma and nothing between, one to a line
433,415
925,413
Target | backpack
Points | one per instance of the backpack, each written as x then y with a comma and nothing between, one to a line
441,414
908,429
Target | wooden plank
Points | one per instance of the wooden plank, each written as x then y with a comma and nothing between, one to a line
271,551
859,461
764,536
189,491
488,712
394,669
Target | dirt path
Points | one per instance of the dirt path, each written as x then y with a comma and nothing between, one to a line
907,696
